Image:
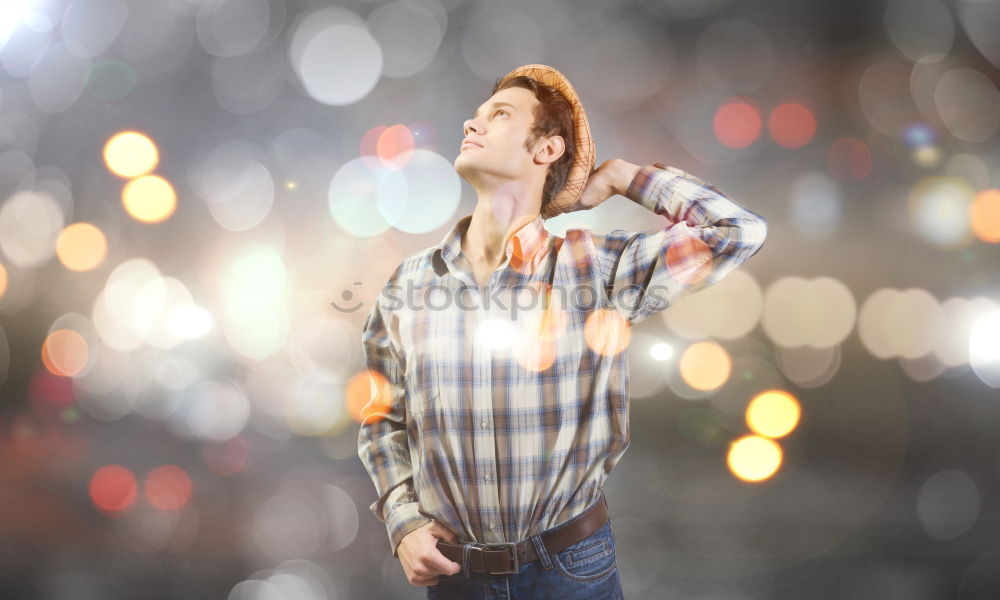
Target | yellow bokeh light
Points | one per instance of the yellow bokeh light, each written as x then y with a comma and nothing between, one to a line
150,199
3,280
65,352
754,458
773,413
984,215
926,155
705,365
130,154
81,247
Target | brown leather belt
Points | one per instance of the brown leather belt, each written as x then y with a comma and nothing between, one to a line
508,557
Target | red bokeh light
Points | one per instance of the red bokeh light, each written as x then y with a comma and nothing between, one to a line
395,146
737,124
49,391
113,488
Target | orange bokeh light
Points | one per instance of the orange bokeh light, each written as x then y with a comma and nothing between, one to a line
690,260
606,331
534,355
167,487
65,352
984,215
378,400
705,365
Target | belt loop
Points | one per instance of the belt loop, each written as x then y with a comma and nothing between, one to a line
466,567
543,554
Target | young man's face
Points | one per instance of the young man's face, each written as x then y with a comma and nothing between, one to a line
500,128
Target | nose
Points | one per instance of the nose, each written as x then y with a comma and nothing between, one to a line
470,124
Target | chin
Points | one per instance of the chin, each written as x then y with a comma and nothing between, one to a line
462,166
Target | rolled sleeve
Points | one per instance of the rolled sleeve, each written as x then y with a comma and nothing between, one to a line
708,236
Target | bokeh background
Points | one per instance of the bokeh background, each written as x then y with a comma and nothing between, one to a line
199,200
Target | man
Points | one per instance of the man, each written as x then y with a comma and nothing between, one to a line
489,435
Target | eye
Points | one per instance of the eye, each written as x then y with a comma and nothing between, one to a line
500,110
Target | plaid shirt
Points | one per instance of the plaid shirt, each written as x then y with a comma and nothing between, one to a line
501,415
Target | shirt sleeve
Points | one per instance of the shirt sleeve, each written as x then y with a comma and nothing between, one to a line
708,236
382,440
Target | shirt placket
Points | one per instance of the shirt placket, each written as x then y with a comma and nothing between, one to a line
484,436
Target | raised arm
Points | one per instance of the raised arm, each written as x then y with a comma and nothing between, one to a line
382,439
708,236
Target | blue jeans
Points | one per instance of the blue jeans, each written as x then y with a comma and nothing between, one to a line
587,570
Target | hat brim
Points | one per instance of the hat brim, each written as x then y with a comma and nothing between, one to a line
585,155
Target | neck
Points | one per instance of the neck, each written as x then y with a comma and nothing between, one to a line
495,219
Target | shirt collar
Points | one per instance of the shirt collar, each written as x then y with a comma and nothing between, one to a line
520,248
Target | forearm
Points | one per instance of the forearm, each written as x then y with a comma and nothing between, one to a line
386,458
624,174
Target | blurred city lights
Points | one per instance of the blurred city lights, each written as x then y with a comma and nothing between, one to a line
81,247
661,351
705,365
791,125
113,489
754,458
984,348
130,154
167,487
984,215
150,199
30,223
773,414
737,124
65,352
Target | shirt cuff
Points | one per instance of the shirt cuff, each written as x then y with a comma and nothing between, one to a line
403,519
642,191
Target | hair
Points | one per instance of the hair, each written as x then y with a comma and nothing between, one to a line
553,116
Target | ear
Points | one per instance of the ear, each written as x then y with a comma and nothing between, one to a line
550,149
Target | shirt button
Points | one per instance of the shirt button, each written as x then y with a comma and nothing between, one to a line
483,423
491,524
486,477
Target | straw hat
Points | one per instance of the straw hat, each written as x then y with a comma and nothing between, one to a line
583,161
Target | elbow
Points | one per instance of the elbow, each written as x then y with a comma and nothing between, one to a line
755,234
761,235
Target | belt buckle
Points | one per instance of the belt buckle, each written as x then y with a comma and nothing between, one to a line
512,546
